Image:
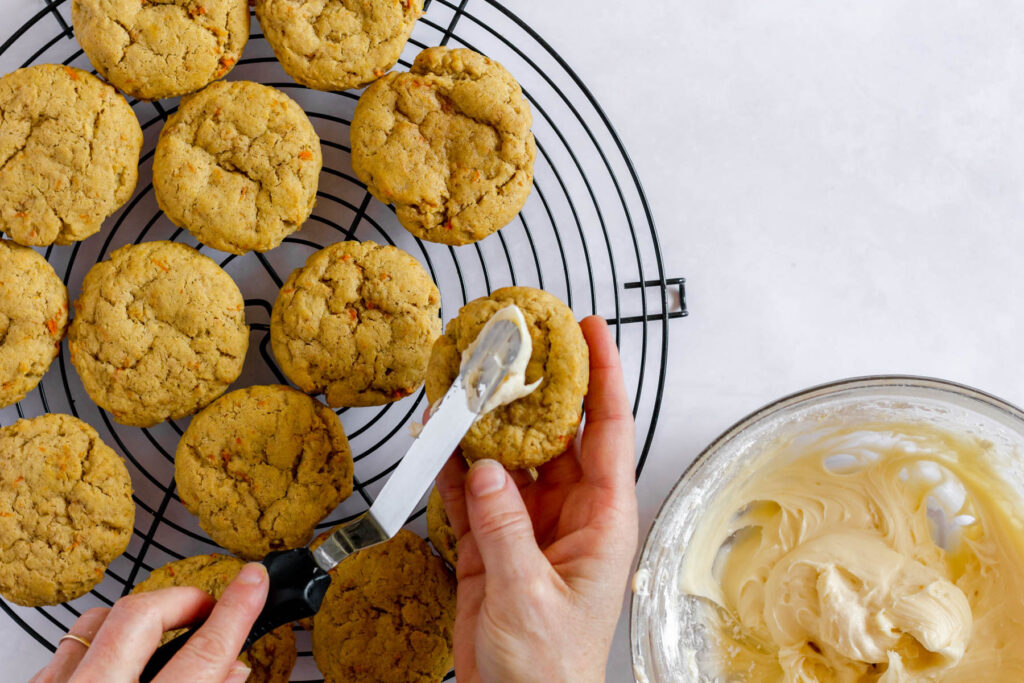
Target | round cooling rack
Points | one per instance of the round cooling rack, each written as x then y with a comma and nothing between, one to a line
586,235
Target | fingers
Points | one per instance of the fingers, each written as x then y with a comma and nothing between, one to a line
451,484
133,628
502,530
607,450
70,652
212,652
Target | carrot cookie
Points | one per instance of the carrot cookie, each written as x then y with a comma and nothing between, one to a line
356,323
261,466
337,44
439,529
156,49
387,616
448,143
159,332
272,657
237,166
33,319
530,430
69,154
66,509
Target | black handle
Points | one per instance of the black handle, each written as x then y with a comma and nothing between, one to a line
297,587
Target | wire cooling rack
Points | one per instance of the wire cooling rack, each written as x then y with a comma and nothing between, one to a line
586,235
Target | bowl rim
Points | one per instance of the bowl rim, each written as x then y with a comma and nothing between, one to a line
836,386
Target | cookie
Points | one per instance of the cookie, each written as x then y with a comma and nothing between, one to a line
33,319
237,166
388,615
356,323
261,466
337,44
439,529
448,143
66,509
153,49
273,656
69,154
159,332
531,430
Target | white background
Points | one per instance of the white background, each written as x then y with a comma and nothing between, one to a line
841,184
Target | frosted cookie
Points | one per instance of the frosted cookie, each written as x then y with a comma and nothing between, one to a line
237,166
159,332
153,49
69,154
66,509
356,323
337,44
448,143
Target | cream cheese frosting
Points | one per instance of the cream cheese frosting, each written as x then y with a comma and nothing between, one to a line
886,552
514,385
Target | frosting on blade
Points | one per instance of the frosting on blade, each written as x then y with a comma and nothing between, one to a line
514,385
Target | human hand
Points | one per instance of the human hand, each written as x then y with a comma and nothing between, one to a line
124,636
543,564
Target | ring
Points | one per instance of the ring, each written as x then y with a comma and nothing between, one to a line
77,639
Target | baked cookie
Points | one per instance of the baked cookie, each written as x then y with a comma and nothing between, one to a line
237,166
261,466
531,430
448,143
152,49
33,319
66,509
337,44
159,332
439,529
356,322
388,615
273,656
69,154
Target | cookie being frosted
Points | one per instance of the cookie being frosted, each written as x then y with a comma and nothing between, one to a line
531,430
273,656
356,323
439,529
66,509
337,44
33,319
388,615
238,166
159,332
69,154
448,143
158,49
261,466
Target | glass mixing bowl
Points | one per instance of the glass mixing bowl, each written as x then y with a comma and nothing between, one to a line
665,624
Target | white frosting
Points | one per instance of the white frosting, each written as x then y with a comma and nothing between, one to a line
514,385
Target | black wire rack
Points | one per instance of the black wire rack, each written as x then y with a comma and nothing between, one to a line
586,235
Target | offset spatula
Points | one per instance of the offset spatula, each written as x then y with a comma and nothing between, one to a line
299,578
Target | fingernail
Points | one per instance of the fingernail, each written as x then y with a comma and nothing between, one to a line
238,673
486,477
252,574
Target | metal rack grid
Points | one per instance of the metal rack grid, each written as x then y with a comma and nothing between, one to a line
602,258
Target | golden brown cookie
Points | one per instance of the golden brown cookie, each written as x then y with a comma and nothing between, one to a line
273,656
237,166
388,615
356,322
337,44
153,49
159,332
33,319
448,143
439,529
531,430
66,509
261,466
69,154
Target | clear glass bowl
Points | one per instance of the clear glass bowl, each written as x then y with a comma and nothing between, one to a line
666,625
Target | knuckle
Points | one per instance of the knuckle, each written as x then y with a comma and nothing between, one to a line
210,646
134,607
503,524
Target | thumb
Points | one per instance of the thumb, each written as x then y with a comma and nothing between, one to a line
500,524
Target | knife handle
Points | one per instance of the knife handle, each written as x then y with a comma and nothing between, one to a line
297,588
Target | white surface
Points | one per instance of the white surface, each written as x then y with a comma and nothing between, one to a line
841,183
